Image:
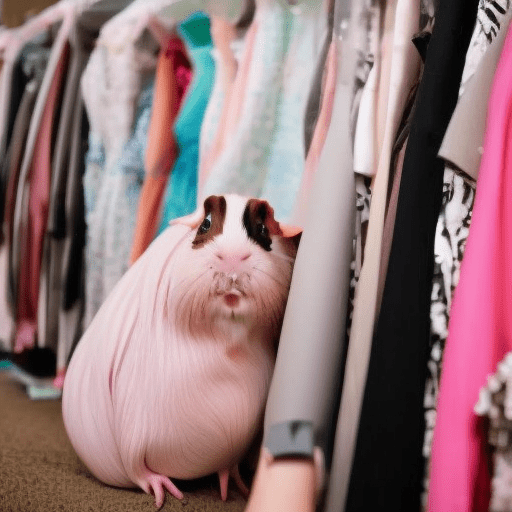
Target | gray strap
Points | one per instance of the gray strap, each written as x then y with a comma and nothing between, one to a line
290,439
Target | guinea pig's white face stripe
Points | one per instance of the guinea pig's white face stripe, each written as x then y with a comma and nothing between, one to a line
259,223
213,222
234,232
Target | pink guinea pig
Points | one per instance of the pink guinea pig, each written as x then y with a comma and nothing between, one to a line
171,377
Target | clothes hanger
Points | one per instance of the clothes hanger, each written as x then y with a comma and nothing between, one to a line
129,25
229,9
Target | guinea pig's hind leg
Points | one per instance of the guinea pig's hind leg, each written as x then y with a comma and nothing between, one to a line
224,480
155,484
235,474
224,475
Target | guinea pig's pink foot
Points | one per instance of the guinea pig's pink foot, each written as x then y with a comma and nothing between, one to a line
224,475
224,480
156,485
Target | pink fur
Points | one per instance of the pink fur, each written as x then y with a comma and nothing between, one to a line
170,379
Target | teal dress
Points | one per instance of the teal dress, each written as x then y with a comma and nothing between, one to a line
180,198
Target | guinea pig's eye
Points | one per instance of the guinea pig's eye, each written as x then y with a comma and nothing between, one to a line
261,229
206,224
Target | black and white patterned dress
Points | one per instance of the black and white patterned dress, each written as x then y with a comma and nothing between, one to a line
451,234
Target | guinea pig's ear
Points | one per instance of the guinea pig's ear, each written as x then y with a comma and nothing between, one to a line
289,231
293,233
192,221
281,229
275,227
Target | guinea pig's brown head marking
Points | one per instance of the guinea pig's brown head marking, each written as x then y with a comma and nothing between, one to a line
213,222
259,223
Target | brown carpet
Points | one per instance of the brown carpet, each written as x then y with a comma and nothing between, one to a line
39,471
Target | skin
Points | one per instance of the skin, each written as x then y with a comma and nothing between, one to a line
284,485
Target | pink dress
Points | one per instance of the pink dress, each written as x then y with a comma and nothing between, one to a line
480,329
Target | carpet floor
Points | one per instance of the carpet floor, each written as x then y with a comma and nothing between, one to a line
40,472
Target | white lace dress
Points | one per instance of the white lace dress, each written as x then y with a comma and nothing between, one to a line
111,87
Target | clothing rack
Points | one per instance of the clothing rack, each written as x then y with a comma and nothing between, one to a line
364,123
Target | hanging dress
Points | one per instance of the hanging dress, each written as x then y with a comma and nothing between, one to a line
173,76
286,161
265,153
180,198
112,83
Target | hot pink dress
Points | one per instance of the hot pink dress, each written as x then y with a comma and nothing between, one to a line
480,329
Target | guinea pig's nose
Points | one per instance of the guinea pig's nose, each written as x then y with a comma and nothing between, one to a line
230,260
234,257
